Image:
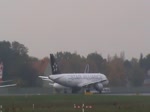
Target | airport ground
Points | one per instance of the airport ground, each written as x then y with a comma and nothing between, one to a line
48,90
74,103
46,100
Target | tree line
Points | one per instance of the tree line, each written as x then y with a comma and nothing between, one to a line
24,69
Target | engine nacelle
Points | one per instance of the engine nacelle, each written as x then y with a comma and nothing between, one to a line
98,87
58,86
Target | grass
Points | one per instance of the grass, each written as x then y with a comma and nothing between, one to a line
65,103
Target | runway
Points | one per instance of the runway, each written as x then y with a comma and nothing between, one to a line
128,94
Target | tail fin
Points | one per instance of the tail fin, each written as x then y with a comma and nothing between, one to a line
54,66
1,70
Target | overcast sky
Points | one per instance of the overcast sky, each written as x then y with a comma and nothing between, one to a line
82,26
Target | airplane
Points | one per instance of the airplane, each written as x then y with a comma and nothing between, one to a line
1,76
57,86
76,81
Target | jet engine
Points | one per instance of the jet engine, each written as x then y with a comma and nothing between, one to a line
98,87
58,86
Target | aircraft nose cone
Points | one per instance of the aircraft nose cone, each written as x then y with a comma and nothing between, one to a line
106,82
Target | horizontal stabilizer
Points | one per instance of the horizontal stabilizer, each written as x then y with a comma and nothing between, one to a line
45,78
10,85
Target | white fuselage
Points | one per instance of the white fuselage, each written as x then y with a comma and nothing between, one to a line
79,79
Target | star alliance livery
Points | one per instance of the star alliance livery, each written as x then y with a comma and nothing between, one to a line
76,81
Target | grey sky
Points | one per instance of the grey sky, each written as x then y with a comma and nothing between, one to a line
82,26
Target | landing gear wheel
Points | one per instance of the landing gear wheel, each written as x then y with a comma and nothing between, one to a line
100,92
65,91
75,90
87,90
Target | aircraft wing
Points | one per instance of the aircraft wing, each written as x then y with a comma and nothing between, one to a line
10,85
6,81
85,83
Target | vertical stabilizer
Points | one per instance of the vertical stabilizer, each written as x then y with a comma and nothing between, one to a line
1,70
54,65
